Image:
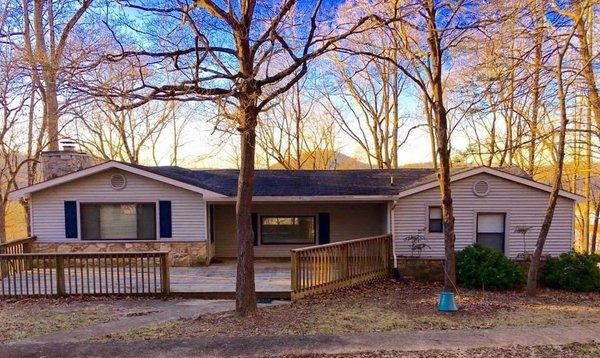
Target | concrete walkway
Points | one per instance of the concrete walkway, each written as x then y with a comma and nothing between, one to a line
316,344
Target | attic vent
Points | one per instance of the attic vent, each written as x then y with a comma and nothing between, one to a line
118,181
481,188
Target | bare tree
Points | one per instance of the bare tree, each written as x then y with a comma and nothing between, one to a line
241,56
562,88
127,135
367,103
46,36
294,134
16,96
425,36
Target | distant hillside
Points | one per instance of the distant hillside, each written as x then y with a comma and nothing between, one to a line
326,160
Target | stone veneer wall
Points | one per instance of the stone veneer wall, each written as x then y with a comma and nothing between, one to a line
181,253
433,269
421,269
62,162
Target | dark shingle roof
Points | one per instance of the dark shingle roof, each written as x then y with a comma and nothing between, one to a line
514,170
300,182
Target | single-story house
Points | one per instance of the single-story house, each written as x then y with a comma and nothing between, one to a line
115,206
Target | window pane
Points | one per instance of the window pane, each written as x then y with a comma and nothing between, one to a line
490,223
288,230
90,221
435,212
118,221
493,241
436,225
146,221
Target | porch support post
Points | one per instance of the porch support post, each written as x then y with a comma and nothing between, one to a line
165,280
60,275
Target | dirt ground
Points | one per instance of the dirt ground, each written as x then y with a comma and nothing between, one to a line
384,306
27,318
578,350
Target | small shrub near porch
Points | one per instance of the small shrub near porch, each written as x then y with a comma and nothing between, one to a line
572,271
485,268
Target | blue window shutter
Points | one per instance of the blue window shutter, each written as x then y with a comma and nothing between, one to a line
71,219
254,217
324,223
164,211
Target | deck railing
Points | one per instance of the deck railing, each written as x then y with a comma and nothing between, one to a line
20,246
98,273
324,268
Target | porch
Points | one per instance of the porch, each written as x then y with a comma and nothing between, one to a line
312,270
219,278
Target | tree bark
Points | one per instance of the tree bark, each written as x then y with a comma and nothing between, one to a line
2,222
52,114
594,109
534,266
595,228
431,131
443,148
245,286
536,90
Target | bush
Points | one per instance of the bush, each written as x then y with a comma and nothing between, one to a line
572,271
481,267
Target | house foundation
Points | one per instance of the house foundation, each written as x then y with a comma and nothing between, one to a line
181,254
425,270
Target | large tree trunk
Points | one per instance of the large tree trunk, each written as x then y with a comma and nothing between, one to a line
535,90
594,109
595,228
430,131
534,266
245,288
2,222
447,208
52,114
443,147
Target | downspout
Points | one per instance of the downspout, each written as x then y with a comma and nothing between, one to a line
395,272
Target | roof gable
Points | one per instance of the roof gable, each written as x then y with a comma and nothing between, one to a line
422,186
106,166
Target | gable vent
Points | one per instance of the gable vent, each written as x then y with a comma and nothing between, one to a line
481,188
118,181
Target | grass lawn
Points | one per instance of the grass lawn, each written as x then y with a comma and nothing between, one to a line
35,317
384,306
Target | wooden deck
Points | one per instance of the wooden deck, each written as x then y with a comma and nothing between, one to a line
220,277
273,280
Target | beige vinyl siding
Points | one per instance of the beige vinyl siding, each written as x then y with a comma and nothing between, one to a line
347,221
188,213
523,205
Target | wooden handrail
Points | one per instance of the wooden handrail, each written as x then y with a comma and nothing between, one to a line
26,240
339,243
323,268
84,254
19,246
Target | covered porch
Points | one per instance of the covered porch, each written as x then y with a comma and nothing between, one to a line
281,226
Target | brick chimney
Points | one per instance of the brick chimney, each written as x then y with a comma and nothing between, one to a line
64,161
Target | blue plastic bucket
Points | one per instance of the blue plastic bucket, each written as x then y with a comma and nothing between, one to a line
447,302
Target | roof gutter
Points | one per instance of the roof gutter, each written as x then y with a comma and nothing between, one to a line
312,198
